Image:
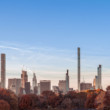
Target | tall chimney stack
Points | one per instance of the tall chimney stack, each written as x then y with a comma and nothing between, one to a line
79,69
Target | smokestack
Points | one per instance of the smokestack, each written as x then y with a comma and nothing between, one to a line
79,69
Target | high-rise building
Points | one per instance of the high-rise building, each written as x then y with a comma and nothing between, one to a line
14,85
3,70
34,81
35,91
27,87
100,77
38,92
45,85
79,69
85,86
62,86
67,81
95,82
24,78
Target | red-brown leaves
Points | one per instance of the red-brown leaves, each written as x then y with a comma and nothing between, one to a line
4,105
10,98
28,102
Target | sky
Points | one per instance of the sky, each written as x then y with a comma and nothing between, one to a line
42,36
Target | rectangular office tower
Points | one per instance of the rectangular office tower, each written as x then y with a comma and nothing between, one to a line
79,69
3,71
62,86
100,77
45,85
14,85
24,78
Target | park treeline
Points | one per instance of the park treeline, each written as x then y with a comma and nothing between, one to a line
50,101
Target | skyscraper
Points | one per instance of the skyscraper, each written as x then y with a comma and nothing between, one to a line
14,85
24,78
79,69
95,82
3,71
27,87
100,77
62,86
67,81
45,85
34,81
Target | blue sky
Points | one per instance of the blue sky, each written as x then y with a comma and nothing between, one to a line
44,35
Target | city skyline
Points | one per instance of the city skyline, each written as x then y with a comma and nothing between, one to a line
99,73
26,86
44,36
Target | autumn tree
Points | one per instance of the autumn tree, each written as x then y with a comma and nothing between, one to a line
42,103
107,97
10,98
47,94
71,94
4,105
51,98
28,102
90,100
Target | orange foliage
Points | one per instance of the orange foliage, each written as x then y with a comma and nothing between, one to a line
107,97
90,100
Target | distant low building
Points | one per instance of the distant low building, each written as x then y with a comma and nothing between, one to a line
85,86
56,89
14,85
70,89
22,91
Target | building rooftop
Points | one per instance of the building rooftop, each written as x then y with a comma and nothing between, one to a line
45,81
